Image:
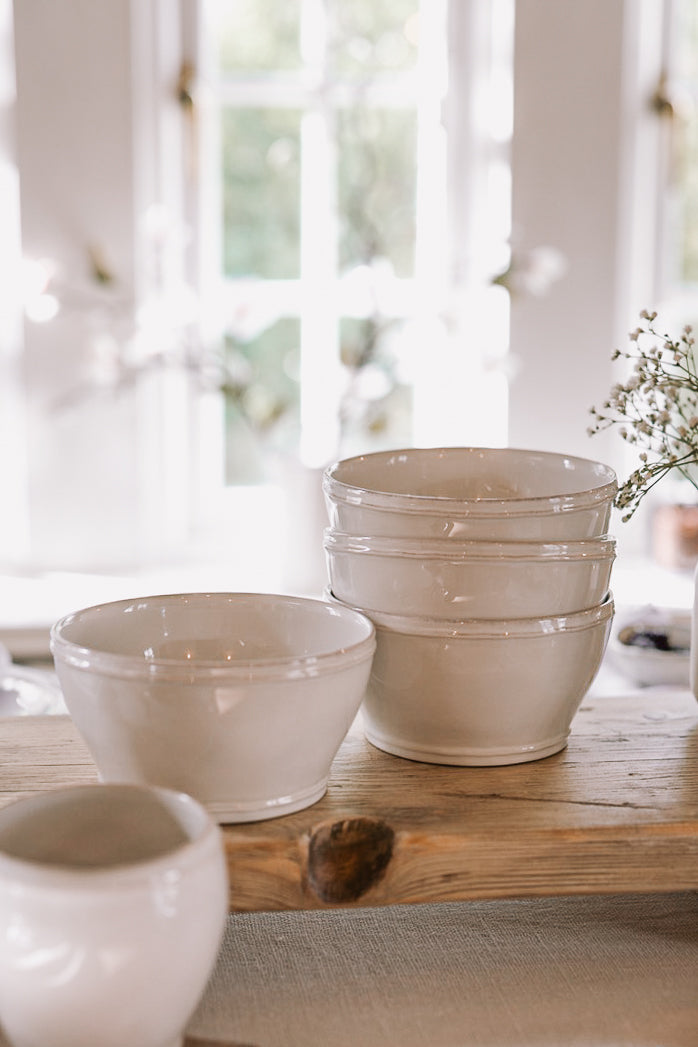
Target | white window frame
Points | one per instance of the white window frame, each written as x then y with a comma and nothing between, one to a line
447,216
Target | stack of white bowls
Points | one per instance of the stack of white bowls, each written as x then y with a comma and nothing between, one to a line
486,572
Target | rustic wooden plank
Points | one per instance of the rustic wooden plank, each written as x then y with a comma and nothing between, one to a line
41,752
616,811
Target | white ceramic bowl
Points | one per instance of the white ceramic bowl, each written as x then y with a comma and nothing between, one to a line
455,579
113,902
470,492
478,693
239,699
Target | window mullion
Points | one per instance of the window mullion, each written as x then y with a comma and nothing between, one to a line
320,365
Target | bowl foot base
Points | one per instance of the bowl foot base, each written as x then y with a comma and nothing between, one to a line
227,813
464,756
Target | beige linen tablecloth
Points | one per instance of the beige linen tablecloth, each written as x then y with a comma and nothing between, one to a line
614,971
600,971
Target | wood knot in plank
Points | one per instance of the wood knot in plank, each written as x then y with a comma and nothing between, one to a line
348,857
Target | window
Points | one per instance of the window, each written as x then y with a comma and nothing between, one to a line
326,159
131,473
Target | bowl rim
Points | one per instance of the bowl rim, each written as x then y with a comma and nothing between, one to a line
201,837
493,628
466,550
287,667
342,491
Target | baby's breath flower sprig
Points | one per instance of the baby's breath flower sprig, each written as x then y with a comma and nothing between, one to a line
655,409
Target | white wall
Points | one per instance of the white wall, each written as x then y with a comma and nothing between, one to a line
74,147
88,122
585,169
566,161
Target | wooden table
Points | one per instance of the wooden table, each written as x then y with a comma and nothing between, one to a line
617,811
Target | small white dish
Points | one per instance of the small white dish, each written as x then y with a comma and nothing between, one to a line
25,691
650,646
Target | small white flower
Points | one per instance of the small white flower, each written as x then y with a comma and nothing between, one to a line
656,408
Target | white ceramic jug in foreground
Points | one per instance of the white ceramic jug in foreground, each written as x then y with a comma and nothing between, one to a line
113,900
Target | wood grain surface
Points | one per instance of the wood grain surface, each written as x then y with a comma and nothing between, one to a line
617,811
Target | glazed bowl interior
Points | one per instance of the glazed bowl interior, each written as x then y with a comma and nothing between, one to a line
469,475
208,629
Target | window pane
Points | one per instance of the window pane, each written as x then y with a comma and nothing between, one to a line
262,398
377,187
374,37
261,192
376,409
254,35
